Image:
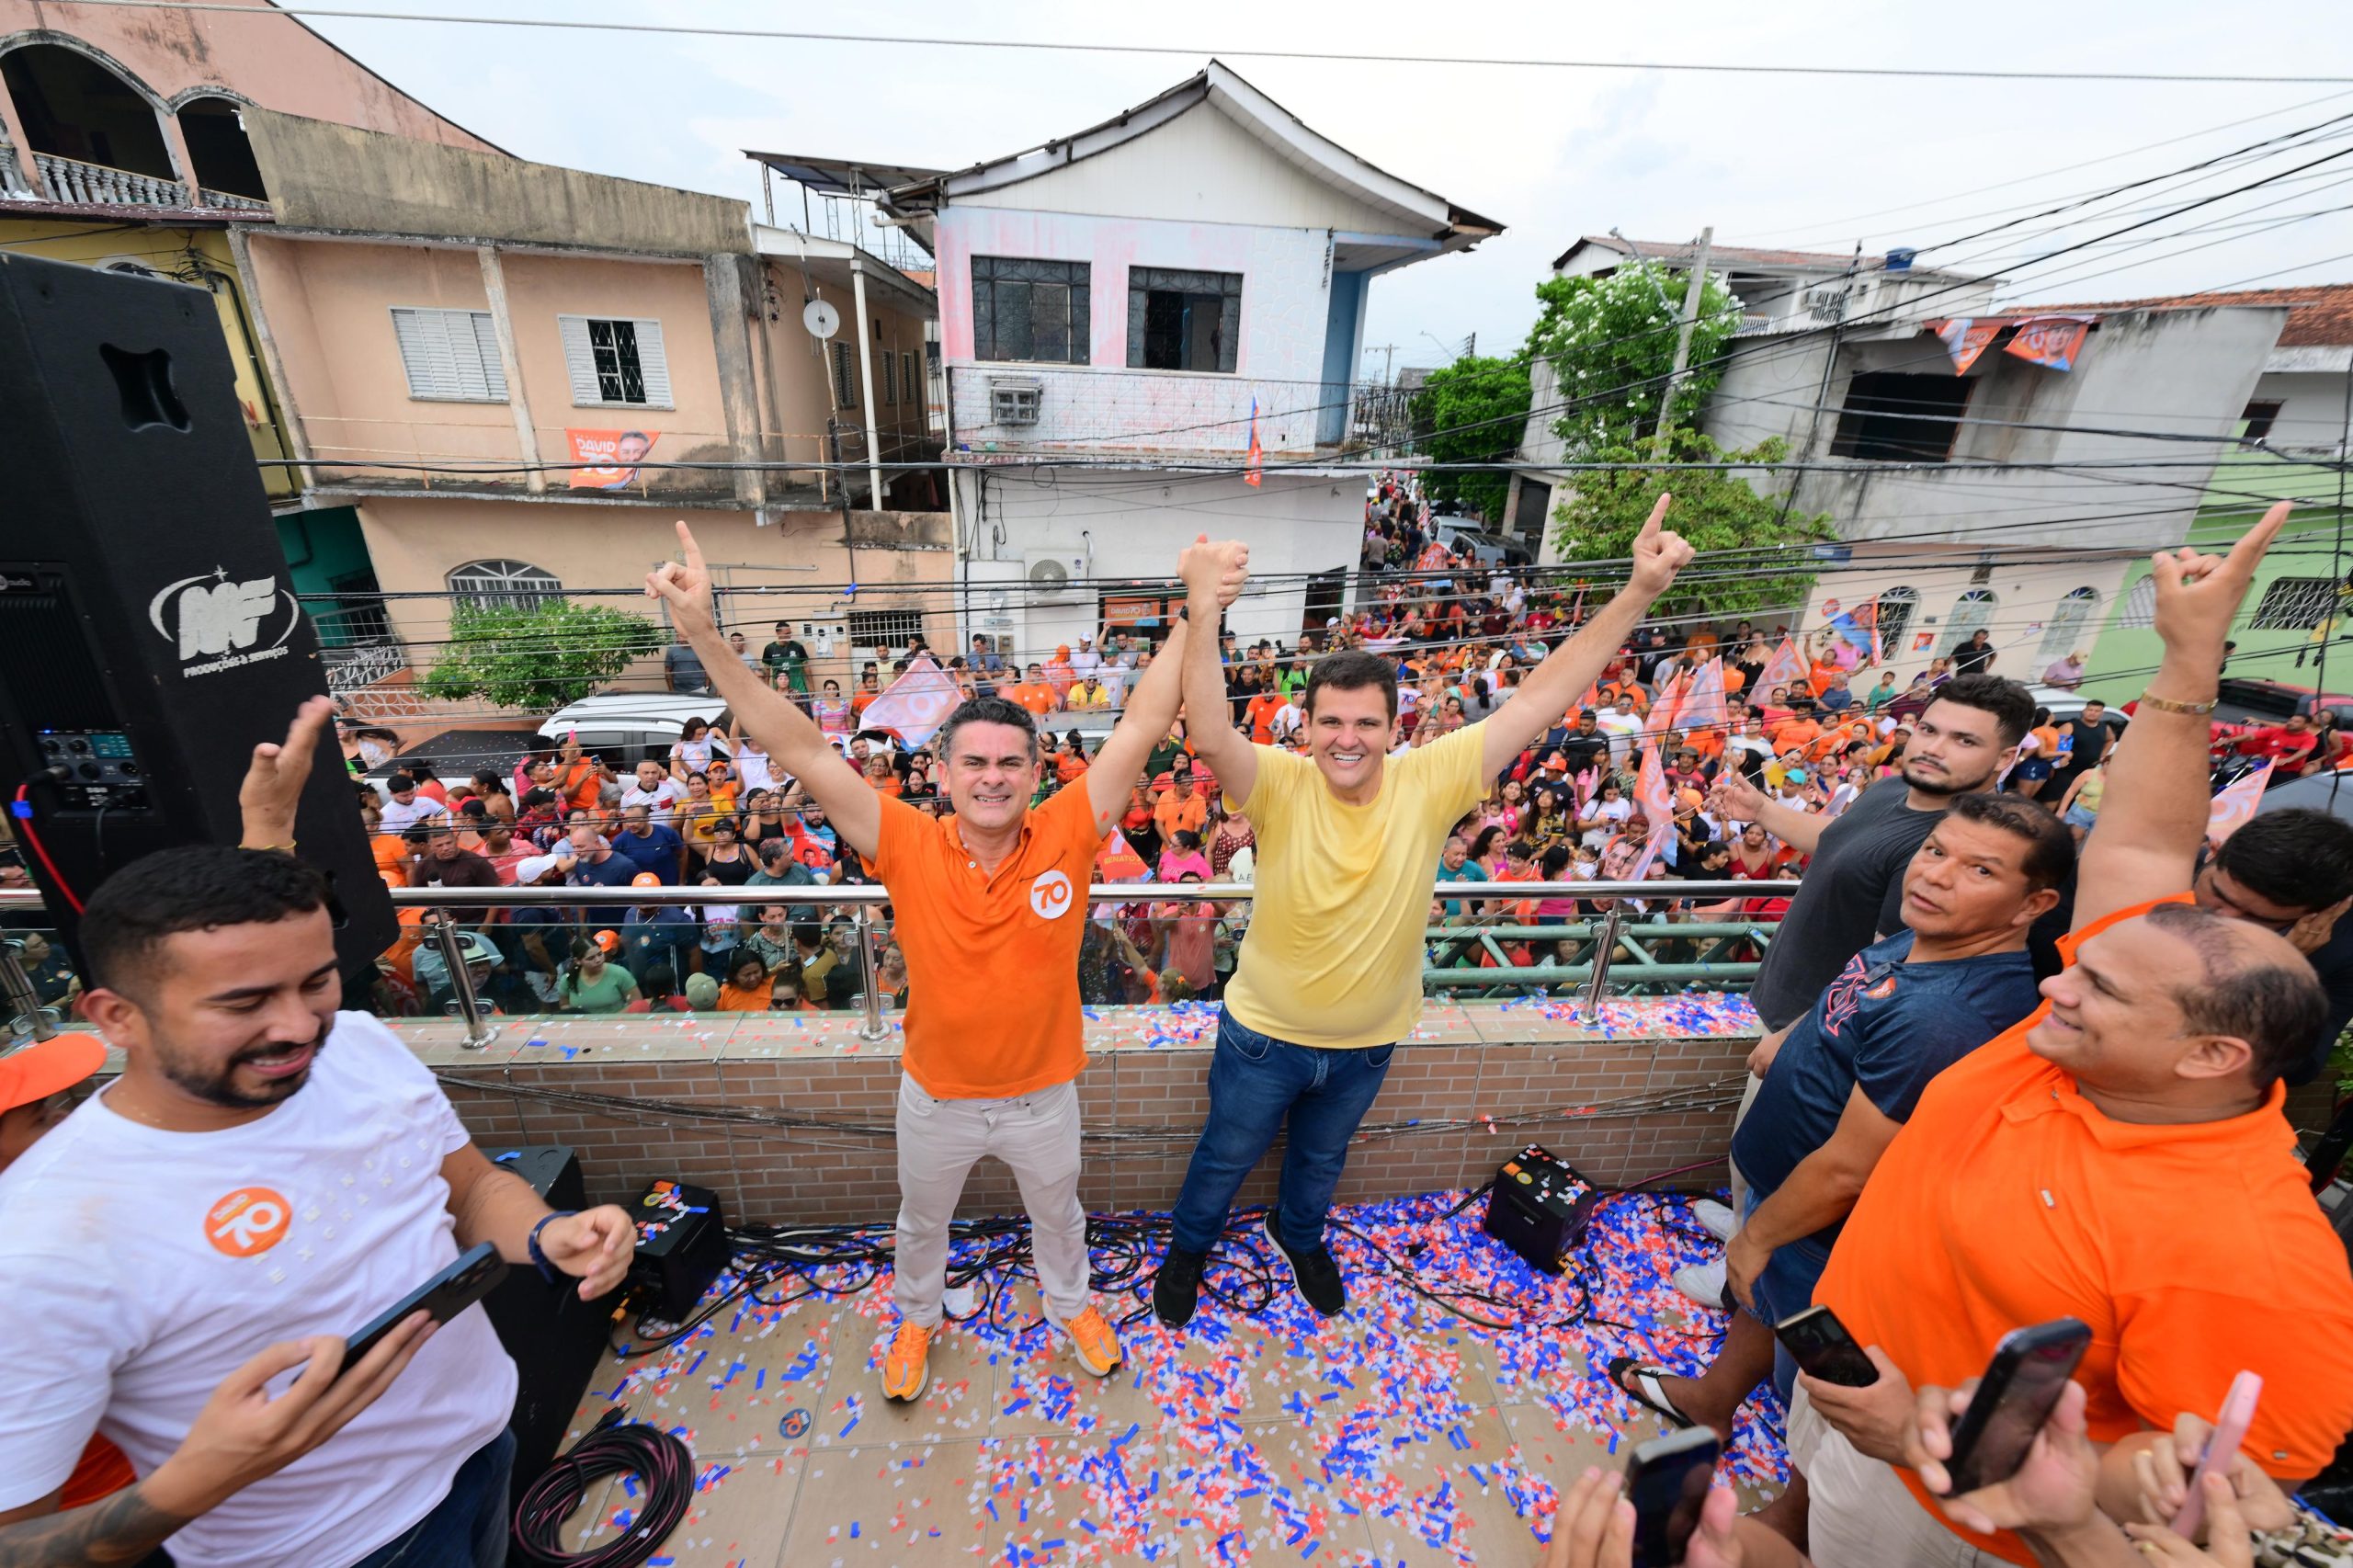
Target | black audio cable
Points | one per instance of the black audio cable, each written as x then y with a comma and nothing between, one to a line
663,1465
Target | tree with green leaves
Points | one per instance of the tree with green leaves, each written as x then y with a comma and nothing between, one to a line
1475,410
541,658
1714,509
1611,342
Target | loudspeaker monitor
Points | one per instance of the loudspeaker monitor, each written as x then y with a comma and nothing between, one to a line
149,634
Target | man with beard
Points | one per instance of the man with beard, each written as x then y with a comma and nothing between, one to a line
286,1169
1957,748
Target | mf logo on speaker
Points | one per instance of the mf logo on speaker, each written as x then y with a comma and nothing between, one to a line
220,621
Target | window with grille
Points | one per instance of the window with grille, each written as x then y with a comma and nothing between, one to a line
2140,609
503,585
1971,613
450,356
615,361
1183,321
884,628
2063,633
2294,604
1031,310
1895,608
845,387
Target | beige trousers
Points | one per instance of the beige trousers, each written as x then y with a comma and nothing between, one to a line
940,1141
1858,1514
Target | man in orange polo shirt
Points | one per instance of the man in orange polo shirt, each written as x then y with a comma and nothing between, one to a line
996,890
2119,1157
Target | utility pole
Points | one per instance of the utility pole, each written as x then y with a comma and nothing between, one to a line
1694,286
1387,351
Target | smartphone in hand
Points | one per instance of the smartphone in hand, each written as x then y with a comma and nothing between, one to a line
2222,1450
1823,1348
443,1297
1667,1480
2022,1386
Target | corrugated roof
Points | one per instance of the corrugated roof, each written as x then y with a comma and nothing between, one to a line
2318,313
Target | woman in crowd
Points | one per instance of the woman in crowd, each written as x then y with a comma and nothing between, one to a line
747,988
1605,816
763,819
2079,807
1755,857
1234,835
880,778
832,715
1184,857
724,860
870,686
594,983
691,753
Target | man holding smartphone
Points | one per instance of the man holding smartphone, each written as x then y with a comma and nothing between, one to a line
2119,1157
266,1168
1853,1068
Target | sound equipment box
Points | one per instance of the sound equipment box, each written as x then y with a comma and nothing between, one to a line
555,1337
149,634
681,1247
1540,1206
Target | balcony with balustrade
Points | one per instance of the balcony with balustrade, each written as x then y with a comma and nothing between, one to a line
70,184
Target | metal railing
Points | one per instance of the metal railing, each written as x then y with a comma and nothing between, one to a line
1610,932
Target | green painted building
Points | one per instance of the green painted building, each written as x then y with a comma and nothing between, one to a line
2303,408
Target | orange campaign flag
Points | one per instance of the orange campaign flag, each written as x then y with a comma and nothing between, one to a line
1704,702
914,706
1254,473
2235,804
607,460
1784,668
1118,862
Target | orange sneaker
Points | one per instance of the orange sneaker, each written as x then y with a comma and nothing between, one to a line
1094,1340
906,1365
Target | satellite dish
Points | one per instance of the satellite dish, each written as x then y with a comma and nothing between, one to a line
820,317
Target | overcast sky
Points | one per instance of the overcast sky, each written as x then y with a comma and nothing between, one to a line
1812,162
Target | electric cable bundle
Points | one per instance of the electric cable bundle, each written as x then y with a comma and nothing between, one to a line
663,1465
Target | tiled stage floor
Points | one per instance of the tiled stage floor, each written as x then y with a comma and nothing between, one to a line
1397,1434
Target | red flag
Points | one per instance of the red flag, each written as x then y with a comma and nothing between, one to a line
1254,473
2236,803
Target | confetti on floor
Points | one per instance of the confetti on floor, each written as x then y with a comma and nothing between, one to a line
1398,1434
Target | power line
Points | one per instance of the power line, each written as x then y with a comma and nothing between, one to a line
1195,51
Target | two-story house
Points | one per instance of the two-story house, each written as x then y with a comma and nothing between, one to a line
1124,311
1984,465
516,376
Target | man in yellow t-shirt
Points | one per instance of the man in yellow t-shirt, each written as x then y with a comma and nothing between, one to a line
1348,840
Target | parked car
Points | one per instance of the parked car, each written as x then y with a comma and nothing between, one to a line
626,728
1488,550
2246,699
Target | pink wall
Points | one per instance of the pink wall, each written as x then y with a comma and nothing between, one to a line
271,59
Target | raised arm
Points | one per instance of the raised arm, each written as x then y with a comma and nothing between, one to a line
1151,708
1545,694
792,737
272,789
1207,569
1801,831
2153,815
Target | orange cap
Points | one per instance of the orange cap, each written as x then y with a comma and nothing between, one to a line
42,1070
645,879
609,940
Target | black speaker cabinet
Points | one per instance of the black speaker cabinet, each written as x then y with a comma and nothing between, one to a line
554,1336
149,636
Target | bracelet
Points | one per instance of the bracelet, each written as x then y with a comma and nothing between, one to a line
547,1269
2169,705
285,849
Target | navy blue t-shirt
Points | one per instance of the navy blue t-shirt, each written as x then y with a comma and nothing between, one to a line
614,872
1885,1027
657,852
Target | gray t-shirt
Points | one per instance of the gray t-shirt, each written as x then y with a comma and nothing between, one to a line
1838,906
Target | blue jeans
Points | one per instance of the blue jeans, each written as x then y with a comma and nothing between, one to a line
468,1528
1784,1289
1255,1084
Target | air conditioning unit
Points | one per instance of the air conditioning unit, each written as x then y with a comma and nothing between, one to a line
1050,578
1014,400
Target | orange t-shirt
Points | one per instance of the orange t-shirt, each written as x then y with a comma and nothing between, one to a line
2192,1250
1794,732
100,1472
391,851
1037,698
1261,714
581,785
1175,816
964,930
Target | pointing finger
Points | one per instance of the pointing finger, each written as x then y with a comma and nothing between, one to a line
693,551
1658,517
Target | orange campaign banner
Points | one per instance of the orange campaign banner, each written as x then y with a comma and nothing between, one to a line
608,458
2052,342
1965,338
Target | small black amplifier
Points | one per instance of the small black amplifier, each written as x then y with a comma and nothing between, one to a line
554,1336
1539,1207
681,1247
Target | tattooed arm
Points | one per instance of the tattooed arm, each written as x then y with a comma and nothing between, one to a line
240,1435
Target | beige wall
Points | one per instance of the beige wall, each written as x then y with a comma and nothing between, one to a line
416,542
801,402
540,288
2027,594
268,58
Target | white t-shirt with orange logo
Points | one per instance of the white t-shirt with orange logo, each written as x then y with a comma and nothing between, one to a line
139,1267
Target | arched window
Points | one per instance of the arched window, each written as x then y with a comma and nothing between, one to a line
214,129
503,585
1895,608
2063,633
1971,613
71,107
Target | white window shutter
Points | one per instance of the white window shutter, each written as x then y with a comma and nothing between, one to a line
580,361
652,364
450,356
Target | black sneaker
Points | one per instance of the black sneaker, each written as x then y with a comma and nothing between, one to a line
1317,1277
1177,1289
